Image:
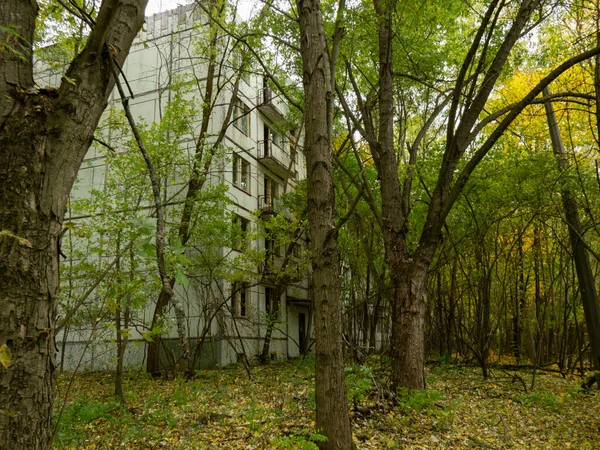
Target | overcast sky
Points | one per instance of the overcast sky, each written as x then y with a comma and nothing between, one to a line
154,6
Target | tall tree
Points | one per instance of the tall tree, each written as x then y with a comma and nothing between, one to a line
501,26
585,276
318,66
44,135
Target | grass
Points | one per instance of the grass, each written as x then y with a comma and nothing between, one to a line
224,409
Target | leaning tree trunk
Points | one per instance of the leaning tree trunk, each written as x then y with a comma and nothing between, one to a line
44,135
585,276
318,78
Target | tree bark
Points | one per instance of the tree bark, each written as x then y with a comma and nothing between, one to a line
409,286
272,319
153,348
44,135
318,79
585,276
408,326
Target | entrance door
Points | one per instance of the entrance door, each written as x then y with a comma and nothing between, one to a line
302,332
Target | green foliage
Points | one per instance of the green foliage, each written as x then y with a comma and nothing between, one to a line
59,34
542,398
304,440
418,401
119,223
359,383
80,413
11,41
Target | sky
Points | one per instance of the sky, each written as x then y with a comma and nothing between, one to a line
154,6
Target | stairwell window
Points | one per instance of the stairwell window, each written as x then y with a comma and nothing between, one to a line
241,117
272,249
239,299
241,173
271,303
270,191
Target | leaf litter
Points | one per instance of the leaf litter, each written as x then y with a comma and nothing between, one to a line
225,409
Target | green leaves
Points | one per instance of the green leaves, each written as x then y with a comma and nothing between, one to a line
144,225
10,235
6,358
11,41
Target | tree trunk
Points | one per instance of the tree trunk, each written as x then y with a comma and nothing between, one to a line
44,136
585,276
408,325
28,287
272,319
318,78
153,347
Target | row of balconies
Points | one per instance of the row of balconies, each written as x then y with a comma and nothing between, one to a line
269,153
280,162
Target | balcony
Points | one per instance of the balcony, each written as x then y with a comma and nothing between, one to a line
267,205
275,159
270,270
270,105
298,301
277,269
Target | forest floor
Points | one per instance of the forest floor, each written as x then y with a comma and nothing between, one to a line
225,409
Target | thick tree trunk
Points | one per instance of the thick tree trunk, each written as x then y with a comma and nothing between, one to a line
331,402
585,276
44,136
408,325
28,285
408,276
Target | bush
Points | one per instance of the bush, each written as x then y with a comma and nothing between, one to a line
359,382
82,411
411,401
542,398
298,442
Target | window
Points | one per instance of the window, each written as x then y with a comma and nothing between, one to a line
270,191
241,173
239,65
271,249
241,117
271,303
239,299
240,227
271,138
296,250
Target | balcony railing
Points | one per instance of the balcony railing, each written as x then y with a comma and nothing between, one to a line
267,204
275,159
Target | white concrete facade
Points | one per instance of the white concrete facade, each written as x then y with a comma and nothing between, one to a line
259,161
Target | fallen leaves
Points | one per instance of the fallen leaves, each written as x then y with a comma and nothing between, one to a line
223,409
